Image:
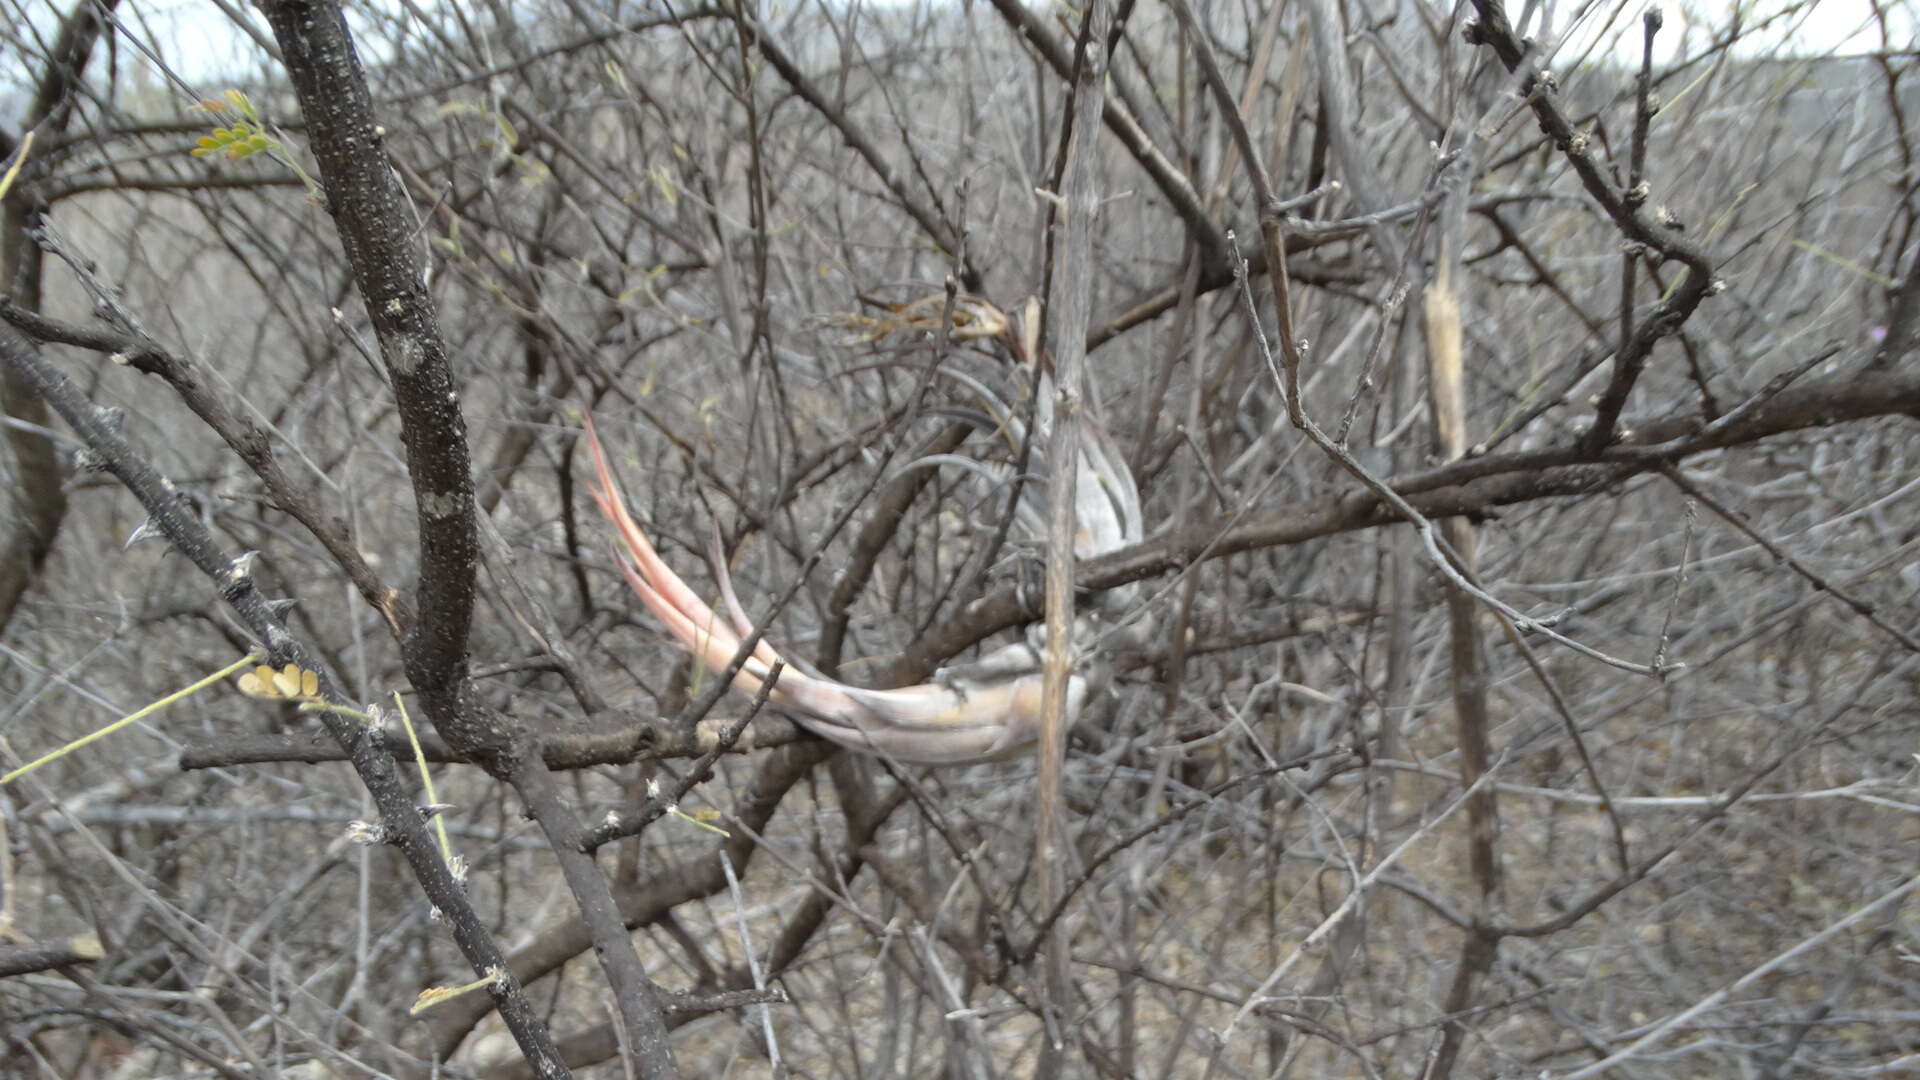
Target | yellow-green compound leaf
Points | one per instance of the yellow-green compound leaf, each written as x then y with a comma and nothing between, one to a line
243,104
242,140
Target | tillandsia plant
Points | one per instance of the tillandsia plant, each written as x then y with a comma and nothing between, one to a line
984,711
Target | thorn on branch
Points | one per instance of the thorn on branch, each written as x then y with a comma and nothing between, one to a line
368,832
240,571
146,530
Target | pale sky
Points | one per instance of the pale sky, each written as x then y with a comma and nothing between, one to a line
200,42
1806,27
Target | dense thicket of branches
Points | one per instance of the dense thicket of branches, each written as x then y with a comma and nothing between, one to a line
1532,567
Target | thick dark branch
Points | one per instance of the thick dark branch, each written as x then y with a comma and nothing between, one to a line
638,1002
1474,487
27,540
379,237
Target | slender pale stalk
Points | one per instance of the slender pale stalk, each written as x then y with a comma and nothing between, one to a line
177,696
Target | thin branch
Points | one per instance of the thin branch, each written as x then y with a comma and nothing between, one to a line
1733,517
252,443
938,228
402,823
1173,184
1658,234
617,826
1663,1028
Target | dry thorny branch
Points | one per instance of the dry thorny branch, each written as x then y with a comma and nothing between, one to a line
1454,465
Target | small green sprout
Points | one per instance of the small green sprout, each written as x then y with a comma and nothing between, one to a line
246,136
